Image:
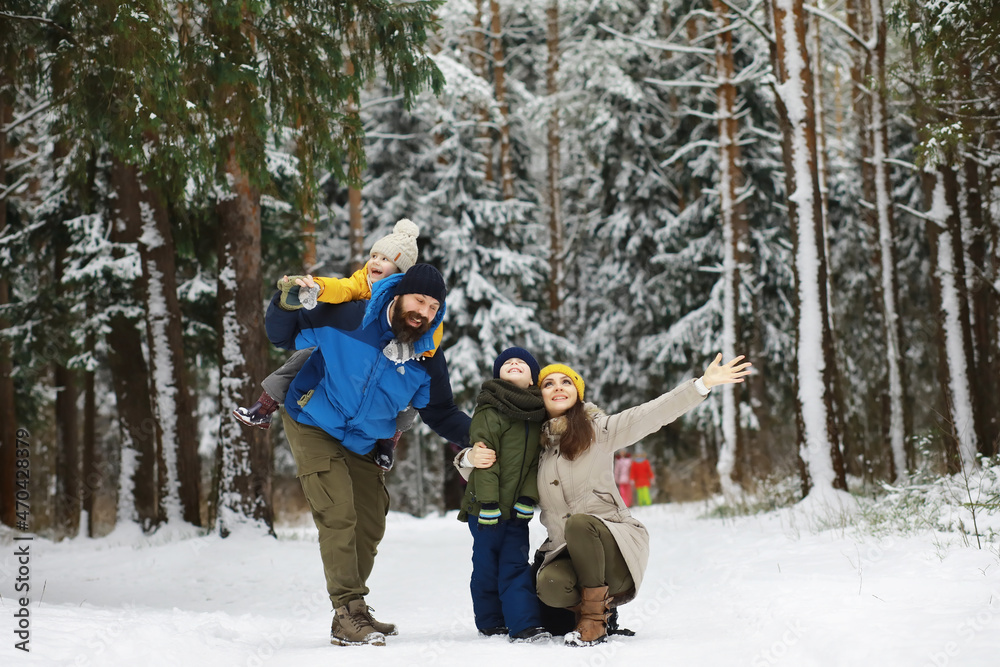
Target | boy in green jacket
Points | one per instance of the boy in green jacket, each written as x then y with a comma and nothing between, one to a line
499,501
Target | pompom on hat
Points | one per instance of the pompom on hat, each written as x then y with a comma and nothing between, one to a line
568,372
400,246
422,279
516,353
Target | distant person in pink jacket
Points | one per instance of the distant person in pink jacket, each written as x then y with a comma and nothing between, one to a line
623,478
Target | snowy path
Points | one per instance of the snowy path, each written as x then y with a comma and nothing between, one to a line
762,590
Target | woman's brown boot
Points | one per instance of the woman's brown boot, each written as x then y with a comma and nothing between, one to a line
592,626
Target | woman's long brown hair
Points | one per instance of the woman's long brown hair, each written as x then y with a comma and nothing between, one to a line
579,434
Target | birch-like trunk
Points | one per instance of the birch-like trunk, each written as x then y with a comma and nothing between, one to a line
734,244
500,87
243,456
553,169
815,364
180,475
949,273
898,418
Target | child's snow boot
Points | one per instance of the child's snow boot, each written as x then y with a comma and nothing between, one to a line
531,635
259,414
385,451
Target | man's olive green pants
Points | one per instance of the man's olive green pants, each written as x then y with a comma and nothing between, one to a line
591,559
349,502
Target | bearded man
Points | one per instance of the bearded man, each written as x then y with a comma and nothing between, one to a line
372,359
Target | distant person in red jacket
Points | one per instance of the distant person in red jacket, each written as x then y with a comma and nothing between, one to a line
623,476
642,476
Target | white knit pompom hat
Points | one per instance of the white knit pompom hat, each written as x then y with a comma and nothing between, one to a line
400,246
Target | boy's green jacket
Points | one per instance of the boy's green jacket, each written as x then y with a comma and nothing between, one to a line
508,420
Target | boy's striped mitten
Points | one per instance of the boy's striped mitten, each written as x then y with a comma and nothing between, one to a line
524,508
489,515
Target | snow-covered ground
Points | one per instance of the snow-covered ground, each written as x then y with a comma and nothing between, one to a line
771,589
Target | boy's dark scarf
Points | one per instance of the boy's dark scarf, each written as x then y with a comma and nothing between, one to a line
513,401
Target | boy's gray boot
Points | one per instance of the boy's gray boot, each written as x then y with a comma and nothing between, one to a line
352,628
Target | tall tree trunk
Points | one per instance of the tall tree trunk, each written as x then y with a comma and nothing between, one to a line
307,209
815,361
893,328
500,85
946,239
67,472
243,457
479,61
840,413
358,257
932,188
92,479
138,497
553,169
357,234
8,413
732,475
854,447
983,306
180,475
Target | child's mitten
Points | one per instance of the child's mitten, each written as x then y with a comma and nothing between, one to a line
524,508
289,293
489,515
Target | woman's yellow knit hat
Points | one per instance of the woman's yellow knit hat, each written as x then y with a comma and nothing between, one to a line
568,372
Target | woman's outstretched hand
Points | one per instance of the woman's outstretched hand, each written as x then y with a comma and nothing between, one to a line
718,373
481,456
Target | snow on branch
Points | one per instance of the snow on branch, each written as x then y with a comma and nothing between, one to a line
745,15
901,163
13,166
6,129
921,215
662,46
11,189
816,11
681,84
681,152
42,20
760,66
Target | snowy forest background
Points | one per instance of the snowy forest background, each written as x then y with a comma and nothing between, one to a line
626,186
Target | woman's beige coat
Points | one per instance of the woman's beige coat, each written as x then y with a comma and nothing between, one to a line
587,484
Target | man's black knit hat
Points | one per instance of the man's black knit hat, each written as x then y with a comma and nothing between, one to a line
422,279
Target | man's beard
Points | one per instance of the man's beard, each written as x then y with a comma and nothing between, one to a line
405,333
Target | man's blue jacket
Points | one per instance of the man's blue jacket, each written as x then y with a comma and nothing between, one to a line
356,390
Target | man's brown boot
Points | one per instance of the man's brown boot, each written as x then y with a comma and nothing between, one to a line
352,628
592,626
387,629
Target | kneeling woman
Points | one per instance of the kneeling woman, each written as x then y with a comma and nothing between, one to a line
596,551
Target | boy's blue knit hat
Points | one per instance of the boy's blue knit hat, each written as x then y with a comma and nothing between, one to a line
517,353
